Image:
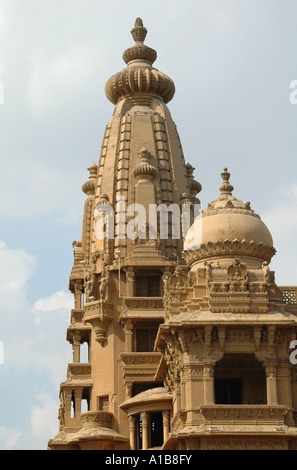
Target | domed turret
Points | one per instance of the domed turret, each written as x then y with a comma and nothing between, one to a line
229,227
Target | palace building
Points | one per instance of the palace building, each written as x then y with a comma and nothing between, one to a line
180,342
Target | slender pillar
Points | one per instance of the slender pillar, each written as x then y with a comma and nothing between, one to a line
132,424
77,399
68,396
208,379
166,417
271,383
128,326
78,294
130,283
285,390
145,430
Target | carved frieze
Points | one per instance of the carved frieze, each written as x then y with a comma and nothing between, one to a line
244,413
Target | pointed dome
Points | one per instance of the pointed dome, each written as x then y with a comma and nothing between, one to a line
229,227
140,81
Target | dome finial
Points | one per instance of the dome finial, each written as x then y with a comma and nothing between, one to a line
139,32
226,187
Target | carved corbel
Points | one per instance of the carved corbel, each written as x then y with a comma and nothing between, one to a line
100,328
129,387
221,337
271,339
207,339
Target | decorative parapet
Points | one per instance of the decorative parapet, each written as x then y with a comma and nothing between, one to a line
289,294
244,414
96,419
79,371
142,307
77,316
141,303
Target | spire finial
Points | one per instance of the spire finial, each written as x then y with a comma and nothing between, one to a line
139,32
226,187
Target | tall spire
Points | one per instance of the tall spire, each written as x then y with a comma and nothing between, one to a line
139,50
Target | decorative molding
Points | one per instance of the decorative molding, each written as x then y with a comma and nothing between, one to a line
229,248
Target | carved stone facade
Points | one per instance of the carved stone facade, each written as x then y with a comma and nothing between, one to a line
188,346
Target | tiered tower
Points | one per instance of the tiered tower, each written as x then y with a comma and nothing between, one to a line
188,343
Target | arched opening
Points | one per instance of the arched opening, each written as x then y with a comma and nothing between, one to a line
240,379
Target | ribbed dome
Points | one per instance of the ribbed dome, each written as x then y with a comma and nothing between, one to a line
228,226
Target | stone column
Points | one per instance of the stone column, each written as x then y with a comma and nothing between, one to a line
285,390
128,327
67,397
77,400
193,388
176,402
132,424
77,294
166,420
145,430
130,283
271,383
208,379
76,347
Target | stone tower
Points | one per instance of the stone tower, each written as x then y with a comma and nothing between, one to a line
188,342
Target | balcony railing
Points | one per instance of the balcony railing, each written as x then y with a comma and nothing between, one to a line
244,414
79,370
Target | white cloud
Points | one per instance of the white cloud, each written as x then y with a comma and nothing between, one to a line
16,267
42,425
43,420
34,350
58,300
9,437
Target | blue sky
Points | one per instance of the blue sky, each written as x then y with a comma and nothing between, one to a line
232,62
